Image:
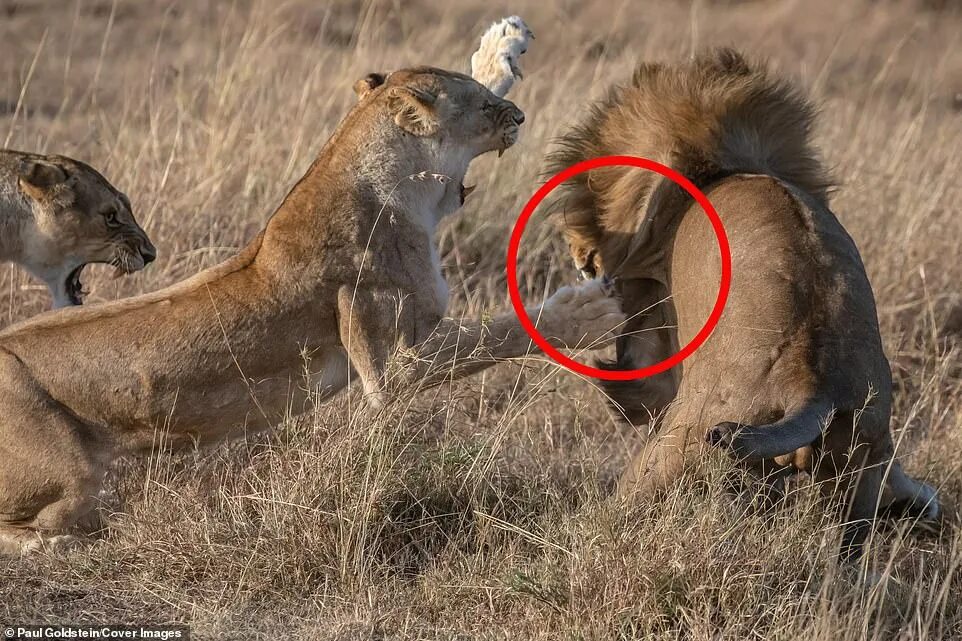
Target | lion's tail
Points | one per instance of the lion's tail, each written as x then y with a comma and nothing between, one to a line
798,428
902,496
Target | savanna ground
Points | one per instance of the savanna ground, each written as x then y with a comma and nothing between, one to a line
480,510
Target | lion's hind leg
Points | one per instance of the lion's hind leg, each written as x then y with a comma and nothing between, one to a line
862,508
661,460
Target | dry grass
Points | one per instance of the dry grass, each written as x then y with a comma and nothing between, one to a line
479,510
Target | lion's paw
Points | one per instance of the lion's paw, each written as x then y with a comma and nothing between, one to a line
585,315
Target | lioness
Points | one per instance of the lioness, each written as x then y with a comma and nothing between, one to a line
58,215
796,364
344,276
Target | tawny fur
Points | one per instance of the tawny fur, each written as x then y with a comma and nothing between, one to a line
344,282
796,366
58,214
712,117
496,62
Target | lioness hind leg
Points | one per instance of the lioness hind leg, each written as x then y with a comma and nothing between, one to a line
22,541
51,465
38,506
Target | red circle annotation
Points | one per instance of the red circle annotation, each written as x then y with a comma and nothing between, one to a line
720,300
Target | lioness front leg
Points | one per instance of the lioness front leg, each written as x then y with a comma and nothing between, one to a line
582,316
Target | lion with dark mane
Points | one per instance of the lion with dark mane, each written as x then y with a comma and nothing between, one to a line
794,376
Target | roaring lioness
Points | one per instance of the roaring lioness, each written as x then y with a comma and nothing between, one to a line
58,215
345,276
796,364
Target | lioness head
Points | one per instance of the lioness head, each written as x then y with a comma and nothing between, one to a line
78,219
451,107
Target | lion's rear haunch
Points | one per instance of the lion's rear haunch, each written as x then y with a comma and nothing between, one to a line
715,116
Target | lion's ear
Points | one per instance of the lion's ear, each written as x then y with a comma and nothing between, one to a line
368,83
36,176
415,110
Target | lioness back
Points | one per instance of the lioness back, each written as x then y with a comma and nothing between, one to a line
244,341
343,283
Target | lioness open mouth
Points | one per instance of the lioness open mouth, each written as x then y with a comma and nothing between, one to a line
75,289
73,286
506,142
466,191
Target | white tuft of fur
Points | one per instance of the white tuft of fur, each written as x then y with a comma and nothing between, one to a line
495,63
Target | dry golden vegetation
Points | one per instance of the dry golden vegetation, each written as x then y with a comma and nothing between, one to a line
479,510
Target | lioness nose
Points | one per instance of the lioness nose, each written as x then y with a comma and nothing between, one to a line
518,116
148,252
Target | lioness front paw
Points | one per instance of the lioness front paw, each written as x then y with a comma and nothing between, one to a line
585,316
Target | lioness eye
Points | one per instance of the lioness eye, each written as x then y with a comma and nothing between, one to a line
110,216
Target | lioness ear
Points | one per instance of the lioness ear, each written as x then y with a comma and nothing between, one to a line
36,176
414,110
368,83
